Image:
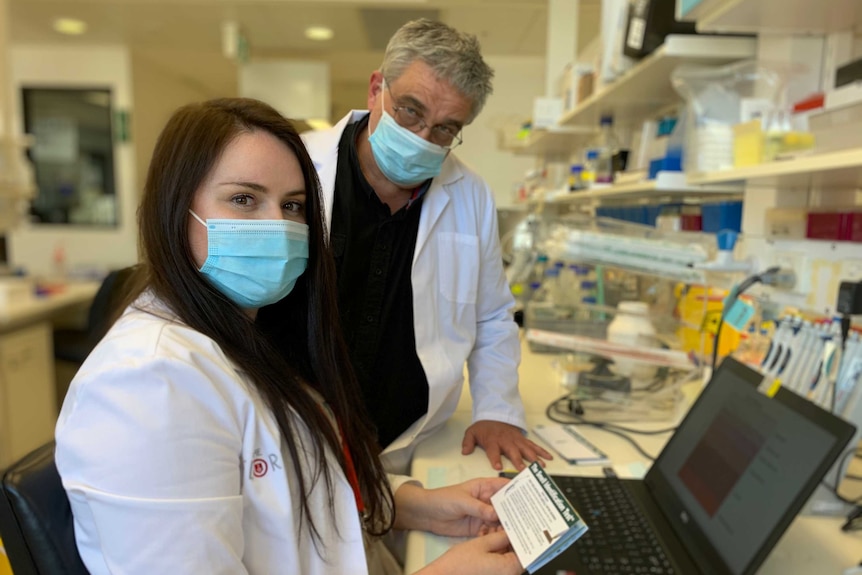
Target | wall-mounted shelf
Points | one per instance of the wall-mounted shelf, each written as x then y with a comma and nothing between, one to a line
666,184
555,141
788,16
646,88
835,170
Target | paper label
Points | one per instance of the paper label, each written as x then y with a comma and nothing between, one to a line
537,517
637,29
739,314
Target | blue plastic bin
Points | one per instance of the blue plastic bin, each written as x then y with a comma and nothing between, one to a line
719,216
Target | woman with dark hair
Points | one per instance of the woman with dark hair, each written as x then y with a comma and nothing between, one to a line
187,443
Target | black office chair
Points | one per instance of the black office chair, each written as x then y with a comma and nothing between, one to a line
74,345
35,518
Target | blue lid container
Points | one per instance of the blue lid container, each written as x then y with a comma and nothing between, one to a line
718,216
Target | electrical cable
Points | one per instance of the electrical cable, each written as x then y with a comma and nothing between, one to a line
625,436
731,299
578,419
617,430
834,488
853,518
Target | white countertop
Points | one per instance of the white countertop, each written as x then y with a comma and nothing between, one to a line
25,310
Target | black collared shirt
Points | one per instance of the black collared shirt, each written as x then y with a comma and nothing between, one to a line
373,251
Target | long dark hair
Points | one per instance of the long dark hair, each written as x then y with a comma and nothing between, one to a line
187,149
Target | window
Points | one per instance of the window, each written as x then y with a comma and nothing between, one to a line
73,156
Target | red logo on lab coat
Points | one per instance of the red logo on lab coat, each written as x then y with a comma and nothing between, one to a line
259,467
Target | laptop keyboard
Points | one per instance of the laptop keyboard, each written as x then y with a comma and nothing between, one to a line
619,539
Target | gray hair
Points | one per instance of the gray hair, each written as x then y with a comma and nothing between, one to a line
454,56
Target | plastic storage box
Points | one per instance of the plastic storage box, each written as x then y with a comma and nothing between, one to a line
718,216
786,223
844,225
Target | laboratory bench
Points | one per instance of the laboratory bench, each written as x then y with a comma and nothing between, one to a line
28,390
811,545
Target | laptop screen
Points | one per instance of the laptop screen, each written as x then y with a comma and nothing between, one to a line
740,466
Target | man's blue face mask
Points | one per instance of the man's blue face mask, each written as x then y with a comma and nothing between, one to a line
254,262
404,158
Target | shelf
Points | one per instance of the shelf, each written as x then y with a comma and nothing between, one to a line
835,170
646,88
559,141
788,16
665,184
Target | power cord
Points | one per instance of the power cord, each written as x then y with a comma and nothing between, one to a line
766,277
569,414
834,488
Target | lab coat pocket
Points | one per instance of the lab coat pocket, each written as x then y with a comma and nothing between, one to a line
458,266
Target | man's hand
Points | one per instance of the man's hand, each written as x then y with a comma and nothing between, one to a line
498,438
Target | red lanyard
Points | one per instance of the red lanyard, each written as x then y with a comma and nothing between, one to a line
351,473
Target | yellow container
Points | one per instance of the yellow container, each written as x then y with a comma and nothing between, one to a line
748,144
5,568
699,310
753,146
779,143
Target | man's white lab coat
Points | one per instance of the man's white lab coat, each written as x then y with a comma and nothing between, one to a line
462,305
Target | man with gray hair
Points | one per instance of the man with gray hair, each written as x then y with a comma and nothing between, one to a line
414,233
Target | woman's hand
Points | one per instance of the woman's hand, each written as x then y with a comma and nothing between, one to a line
489,554
457,511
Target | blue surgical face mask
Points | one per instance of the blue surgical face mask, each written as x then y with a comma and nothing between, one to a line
404,158
254,262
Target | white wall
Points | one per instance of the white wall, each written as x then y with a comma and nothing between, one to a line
157,93
299,90
517,81
32,246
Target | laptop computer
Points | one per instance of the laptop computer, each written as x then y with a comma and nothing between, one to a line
724,488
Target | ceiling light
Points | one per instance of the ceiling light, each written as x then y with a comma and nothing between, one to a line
70,26
318,33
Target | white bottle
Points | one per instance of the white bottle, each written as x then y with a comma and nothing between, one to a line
631,326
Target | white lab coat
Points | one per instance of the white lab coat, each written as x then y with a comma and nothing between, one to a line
462,305
173,464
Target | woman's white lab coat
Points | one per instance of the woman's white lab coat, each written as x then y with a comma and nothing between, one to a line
462,305
173,464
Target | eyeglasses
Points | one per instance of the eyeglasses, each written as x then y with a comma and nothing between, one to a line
442,135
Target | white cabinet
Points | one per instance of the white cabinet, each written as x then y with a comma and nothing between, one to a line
27,393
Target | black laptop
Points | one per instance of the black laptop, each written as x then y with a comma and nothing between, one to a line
723,490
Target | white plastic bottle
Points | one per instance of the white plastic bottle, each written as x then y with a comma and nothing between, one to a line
632,327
